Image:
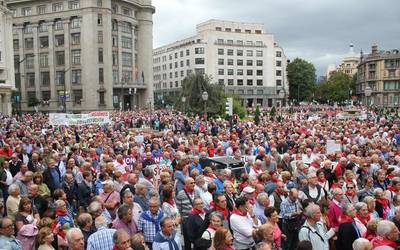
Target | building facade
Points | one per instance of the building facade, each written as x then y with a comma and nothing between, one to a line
242,56
6,60
378,78
348,65
82,55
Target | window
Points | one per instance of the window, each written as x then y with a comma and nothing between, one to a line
176,73
249,53
27,29
44,60
220,61
188,62
77,96
249,82
229,42
220,51
230,81
99,19
259,82
100,36
115,58
30,80
114,25
13,13
259,72
228,29
126,27
220,41
249,62
75,23
176,55
239,42
176,65
126,42
75,38
101,75
60,58
259,63
73,5
100,3
230,52
239,72
239,52
59,25
230,72
60,78
247,31
76,76
230,62
115,41
221,81
278,54
115,76
16,44
238,30
45,78
57,7
240,82
278,63
249,43
278,82
249,72
127,76
41,9
28,43
46,95
31,95
259,43
221,72
59,40
278,73
26,11
187,52
101,99
181,63
197,51
100,55
126,11
239,62
114,8
43,26
44,42
218,28
259,53
29,61
126,59
76,56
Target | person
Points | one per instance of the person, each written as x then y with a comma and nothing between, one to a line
348,231
230,195
312,191
185,197
23,182
382,204
265,237
362,244
102,239
45,238
223,239
140,196
121,240
351,195
44,190
272,218
192,224
110,198
216,221
138,243
167,239
387,235
75,239
149,221
362,217
243,224
291,216
132,180
39,203
13,201
276,198
170,209
7,239
86,190
26,222
125,220
335,207
262,202
52,175
127,199
66,220
314,230
85,223
305,245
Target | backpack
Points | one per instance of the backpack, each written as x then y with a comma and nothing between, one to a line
203,244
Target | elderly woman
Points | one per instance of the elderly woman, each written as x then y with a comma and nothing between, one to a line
13,201
348,230
216,221
370,201
371,228
382,204
362,217
110,198
25,222
223,239
45,238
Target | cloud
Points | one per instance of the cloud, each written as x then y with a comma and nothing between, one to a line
318,31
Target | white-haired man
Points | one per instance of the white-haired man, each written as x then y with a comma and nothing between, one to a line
387,235
103,238
75,239
362,244
314,230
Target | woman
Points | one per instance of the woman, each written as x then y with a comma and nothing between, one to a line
322,181
179,175
26,223
266,236
45,238
273,219
372,226
382,205
350,195
138,243
362,217
348,231
216,221
370,201
223,239
110,198
170,209
44,191
13,201
368,189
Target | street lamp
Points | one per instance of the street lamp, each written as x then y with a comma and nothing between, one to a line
204,96
367,92
183,101
65,92
281,96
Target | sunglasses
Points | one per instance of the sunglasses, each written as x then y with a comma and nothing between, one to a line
350,187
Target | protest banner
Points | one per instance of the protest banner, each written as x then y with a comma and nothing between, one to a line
59,119
332,147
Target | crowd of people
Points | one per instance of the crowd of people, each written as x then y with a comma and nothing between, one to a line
148,180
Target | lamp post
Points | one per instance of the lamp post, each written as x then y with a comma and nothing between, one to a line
204,96
65,92
184,104
121,94
367,93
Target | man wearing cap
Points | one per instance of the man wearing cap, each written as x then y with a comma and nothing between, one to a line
248,192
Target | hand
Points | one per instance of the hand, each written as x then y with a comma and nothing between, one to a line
284,237
178,220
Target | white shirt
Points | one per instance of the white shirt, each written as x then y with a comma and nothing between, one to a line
242,227
314,234
9,179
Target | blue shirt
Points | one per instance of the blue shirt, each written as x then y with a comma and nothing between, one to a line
101,240
56,178
196,166
9,243
220,185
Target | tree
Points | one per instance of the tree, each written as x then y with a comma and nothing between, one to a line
193,87
336,89
257,115
238,108
33,101
301,77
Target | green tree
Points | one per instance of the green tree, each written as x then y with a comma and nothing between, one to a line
336,89
33,101
257,115
238,108
272,112
301,77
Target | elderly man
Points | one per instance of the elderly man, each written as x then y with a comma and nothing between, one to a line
102,239
52,175
75,239
132,180
335,207
125,220
387,235
122,240
290,213
85,223
7,239
127,199
312,191
219,181
23,183
110,197
185,197
34,165
167,237
314,230
256,169
362,244
262,202
40,203
13,200
149,221
196,165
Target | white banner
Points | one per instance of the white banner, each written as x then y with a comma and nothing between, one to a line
98,117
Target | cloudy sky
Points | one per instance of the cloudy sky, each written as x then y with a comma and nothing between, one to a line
319,31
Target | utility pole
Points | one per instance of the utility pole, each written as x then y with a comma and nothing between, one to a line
65,92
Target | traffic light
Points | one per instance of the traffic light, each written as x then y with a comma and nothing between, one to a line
229,106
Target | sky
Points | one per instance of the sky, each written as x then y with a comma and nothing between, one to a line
318,31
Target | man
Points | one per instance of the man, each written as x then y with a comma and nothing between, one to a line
34,165
314,230
243,223
127,199
193,223
362,244
14,164
85,223
103,238
167,238
335,207
387,235
52,175
75,239
124,220
256,169
86,190
148,160
286,160
119,164
312,191
185,197
219,181
122,240
262,202
291,215
40,203
220,205
70,188
23,169
276,198
270,164
24,182
196,165
148,182
132,180
7,239
149,221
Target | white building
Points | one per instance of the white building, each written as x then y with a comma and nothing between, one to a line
242,56
348,65
7,82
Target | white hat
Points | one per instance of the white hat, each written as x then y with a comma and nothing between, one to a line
248,190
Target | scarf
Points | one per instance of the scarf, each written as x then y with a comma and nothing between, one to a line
60,213
364,220
187,190
223,211
379,241
345,219
212,227
350,194
146,216
170,201
383,201
172,245
393,189
238,212
196,211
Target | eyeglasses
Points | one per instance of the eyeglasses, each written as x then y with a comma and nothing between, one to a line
350,187
9,226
